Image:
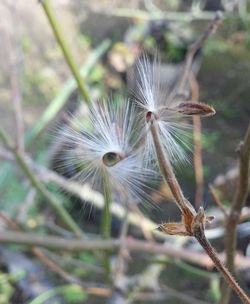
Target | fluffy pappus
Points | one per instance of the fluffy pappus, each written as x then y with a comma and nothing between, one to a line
106,143
153,96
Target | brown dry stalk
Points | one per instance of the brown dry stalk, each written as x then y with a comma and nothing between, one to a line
193,49
193,223
239,200
188,76
217,200
198,168
203,241
167,171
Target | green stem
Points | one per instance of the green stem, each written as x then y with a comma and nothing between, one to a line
59,101
4,136
106,221
106,216
65,48
52,200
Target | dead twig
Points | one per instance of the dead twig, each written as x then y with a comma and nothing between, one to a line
193,49
53,266
198,167
218,201
78,245
239,200
122,253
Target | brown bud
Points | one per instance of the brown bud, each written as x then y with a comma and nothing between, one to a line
194,108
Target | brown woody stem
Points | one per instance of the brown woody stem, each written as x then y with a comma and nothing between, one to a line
203,241
196,225
239,200
167,170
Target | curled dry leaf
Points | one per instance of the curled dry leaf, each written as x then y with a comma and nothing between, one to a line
191,223
174,229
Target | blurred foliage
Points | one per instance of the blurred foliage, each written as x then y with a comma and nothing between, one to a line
70,293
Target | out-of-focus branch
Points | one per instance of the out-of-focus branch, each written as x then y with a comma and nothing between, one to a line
78,245
217,200
198,167
15,63
237,205
40,255
119,271
65,48
193,49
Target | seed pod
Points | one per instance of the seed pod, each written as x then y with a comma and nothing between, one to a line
194,108
111,158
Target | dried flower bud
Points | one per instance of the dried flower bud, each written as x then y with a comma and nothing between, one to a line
194,108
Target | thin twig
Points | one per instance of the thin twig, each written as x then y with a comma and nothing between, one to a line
15,64
106,221
142,222
193,223
201,238
54,267
40,255
79,245
193,49
235,212
167,171
22,210
163,15
217,200
198,168
106,215
120,263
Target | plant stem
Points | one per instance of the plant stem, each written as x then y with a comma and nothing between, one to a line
167,171
106,216
106,220
195,224
52,200
233,217
65,48
203,241
4,136
60,100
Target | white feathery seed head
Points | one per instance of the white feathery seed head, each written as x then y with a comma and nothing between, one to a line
106,145
154,96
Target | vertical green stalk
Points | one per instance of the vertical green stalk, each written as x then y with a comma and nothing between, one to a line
106,215
65,48
106,220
